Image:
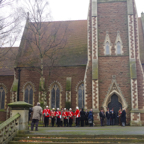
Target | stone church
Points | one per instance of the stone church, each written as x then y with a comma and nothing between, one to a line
101,64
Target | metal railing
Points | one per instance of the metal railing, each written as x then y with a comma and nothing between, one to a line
9,128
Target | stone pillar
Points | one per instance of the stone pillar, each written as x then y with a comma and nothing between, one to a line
142,19
68,92
23,109
135,114
95,82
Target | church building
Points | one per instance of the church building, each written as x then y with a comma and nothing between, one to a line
96,63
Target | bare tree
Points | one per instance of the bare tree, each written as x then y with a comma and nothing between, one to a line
43,40
9,25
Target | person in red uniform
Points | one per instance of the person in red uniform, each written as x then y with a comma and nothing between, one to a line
53,114
58,114
77,114
70,115
46,114
65,116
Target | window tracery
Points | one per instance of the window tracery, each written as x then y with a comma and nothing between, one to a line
55,96
118,44
2,98
81,96
107,45
28,96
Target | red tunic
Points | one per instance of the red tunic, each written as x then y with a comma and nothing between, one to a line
77,113
65,115
47,112
53,114
70,114
58,113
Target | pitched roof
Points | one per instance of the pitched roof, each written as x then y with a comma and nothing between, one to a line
68,38
141,40
7,60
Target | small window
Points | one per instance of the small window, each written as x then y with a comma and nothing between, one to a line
118,45
118,48
29,94
81,96
55,96
107,48
2,98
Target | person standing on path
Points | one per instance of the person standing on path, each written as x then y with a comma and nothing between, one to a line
37,112
46,114
61,118
108,117
77,114
58,115
53,114
70,115
90,118
119,116
86,117
82,117
123,117
102,116
112,117
65,116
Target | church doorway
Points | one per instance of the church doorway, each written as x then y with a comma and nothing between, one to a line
115,105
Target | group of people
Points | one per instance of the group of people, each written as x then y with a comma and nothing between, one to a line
111,117
65,117
61,117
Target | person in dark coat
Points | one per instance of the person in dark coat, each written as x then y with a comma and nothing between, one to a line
82,117
123,117
102,117
30,111
108,117
86,117
90,118
112,117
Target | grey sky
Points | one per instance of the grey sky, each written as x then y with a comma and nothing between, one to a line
69,9
77,9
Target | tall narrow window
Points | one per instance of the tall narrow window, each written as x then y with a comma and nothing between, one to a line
118,45
55,96
2,98
107,48
81,96
118,48
28,94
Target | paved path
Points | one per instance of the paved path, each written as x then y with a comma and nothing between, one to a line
107,130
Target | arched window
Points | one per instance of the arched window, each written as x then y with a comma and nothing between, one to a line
55,96
28,94
107,46
81,96
2,98
118,48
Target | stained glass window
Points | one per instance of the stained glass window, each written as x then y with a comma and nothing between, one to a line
81,96
2,98
55,97
118,48
28,94
107,46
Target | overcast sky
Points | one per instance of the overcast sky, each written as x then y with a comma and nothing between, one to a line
77,9
69,9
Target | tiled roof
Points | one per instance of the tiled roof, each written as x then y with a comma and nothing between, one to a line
72,50
141,40
7,60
